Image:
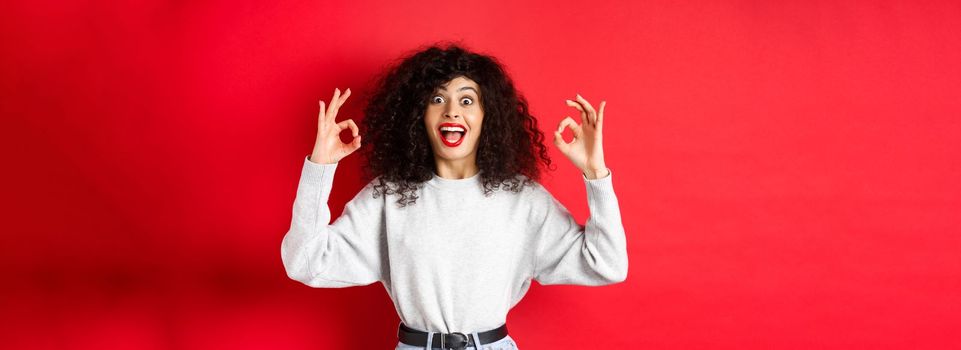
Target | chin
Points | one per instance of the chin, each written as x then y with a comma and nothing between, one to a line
447,156
452,154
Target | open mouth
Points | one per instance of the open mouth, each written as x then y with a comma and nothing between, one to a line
452,134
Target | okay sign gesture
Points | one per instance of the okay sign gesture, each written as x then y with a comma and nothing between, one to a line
585,150
328,148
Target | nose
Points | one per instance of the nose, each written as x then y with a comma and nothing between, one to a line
451,111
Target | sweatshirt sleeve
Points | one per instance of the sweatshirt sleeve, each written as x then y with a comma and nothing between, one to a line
594,254
349,252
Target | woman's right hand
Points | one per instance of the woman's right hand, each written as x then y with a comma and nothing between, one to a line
328,148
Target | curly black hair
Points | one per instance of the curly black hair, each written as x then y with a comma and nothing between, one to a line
399,154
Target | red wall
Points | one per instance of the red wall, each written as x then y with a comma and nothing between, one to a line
788,171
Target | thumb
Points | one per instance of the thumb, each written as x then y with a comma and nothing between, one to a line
356,143
560,143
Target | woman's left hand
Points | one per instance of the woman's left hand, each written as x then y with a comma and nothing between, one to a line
585,151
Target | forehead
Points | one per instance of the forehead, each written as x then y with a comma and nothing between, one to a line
459,83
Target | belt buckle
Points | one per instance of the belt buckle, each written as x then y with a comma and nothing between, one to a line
462,345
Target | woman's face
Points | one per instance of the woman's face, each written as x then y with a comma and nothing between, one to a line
453,119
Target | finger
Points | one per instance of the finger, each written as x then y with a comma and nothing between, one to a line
591,113
580,108
349,123
320,117
569,122
356,143
559,142
559,134
345,96
600,115
340,102
332,109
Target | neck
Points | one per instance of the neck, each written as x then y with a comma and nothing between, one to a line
456,169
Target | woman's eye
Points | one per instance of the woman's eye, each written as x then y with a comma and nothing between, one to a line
466,101
438,99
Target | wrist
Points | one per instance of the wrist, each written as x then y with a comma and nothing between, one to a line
594,174
318,160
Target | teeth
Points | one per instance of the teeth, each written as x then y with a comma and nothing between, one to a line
452,128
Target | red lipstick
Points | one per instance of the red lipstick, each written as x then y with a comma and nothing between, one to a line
452,127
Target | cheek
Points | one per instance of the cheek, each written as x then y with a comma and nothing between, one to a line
480,126
430,119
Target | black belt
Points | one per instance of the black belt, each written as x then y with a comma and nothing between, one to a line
454,340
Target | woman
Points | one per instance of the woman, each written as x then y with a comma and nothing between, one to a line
453,221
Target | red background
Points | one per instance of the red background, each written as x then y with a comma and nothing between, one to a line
788,172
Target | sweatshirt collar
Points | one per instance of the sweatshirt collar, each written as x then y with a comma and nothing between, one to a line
441,182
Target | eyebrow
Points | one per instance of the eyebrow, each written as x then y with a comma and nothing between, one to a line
462,89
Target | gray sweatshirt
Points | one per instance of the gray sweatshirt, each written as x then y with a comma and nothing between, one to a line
454,261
